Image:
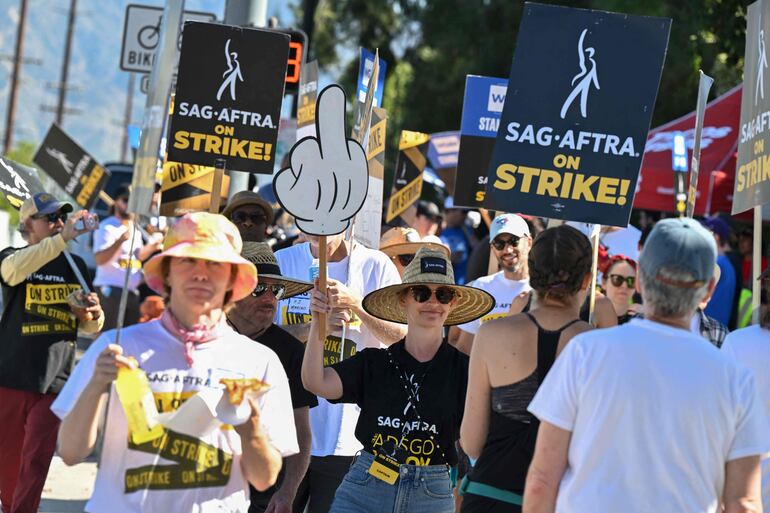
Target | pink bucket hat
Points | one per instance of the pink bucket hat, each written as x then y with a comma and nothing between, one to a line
208,237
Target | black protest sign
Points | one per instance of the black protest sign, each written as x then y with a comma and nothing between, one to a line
407,180
71,167
187,188
228,97
580,96
752,170
308,94
17,182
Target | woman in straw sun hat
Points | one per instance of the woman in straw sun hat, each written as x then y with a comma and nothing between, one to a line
509,360
411,394
184,355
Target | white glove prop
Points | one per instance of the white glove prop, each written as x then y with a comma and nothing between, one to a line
326,183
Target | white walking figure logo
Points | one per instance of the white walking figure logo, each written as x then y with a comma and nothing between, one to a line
761,65
586,77
232,74
61,158
18,182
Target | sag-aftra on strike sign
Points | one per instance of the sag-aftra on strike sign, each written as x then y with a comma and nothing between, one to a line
576,115
228,97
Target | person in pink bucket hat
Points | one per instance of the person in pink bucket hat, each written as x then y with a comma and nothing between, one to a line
200,462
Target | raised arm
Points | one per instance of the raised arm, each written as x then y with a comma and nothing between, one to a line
317,379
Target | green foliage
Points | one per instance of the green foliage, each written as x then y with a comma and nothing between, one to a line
431,45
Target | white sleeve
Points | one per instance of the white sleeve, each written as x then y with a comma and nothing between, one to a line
556,400
104,237
80,377
473,326
389,275
752,437
276,411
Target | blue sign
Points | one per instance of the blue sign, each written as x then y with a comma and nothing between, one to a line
365,71
483,105
443,149
134,133
679,153
482,108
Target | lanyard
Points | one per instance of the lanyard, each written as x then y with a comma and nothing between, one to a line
415,401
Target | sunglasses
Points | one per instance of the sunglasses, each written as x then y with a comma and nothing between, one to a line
277,289
422,293
52,218
499,244
617,280
241,217
405,260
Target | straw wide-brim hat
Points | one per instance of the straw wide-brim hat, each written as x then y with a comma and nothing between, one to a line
207,237
243,198
429,267
406,241
260,254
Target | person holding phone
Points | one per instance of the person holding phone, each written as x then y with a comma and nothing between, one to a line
45,307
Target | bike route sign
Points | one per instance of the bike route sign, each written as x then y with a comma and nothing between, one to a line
141,34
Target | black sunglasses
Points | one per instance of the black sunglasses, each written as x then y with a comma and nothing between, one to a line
405,259
52,218
277,289
500,244
422,293
617,280
241,217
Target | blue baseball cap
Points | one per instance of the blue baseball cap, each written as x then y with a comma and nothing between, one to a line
680,243
42,203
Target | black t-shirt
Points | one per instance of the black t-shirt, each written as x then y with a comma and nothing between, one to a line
39,331
291,352
372,382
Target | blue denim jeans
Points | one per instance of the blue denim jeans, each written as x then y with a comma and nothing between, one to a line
417,490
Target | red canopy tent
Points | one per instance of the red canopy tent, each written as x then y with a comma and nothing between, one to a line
719,146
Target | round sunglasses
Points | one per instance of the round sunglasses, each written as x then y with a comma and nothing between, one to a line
277,289
52,218
241,217
499,244
422,293
617,280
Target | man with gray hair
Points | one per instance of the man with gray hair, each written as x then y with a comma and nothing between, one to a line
645,416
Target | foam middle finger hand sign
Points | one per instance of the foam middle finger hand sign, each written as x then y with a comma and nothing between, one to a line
326,182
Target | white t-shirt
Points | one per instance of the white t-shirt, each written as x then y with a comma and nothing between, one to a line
113,273
172,382
750,347
655,414
503,290
333,425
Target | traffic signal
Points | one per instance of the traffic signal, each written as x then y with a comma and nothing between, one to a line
297,57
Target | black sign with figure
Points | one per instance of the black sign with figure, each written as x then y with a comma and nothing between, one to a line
580,96
70,166
17,182
228,97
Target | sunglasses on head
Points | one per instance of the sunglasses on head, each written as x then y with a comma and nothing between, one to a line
277,289
52,218
500,244
240,217
422,293
405,259
617,280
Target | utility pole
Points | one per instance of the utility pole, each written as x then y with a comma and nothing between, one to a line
66,63
15,78
253,13
127,116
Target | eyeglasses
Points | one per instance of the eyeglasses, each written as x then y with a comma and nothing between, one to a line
618,279
277,289
52,218
500,244
422,293
241,217
405,260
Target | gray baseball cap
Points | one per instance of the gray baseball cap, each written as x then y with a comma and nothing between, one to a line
680,243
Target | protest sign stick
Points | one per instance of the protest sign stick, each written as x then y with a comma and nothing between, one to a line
76,270
756,264
106,198
704,85
124,291
216,186
322,261
594,272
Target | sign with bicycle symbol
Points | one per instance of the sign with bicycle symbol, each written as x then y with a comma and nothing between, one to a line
141,35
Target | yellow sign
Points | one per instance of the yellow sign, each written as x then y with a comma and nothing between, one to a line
187,188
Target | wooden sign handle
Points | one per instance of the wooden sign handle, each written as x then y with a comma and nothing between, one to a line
216,186
322,261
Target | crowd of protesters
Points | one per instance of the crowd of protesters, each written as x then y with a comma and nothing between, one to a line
465,365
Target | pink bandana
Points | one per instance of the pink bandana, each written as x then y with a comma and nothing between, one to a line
190,338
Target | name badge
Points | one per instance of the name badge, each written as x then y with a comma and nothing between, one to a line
299,305
385,468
